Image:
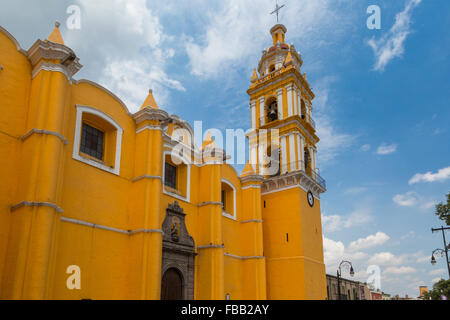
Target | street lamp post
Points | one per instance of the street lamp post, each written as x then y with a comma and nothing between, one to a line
339,272
442,251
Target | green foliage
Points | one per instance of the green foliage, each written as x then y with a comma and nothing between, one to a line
443,211
439,289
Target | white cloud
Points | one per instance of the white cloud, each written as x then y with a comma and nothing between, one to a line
332,223
332,140
435,280
437,272
441,175
366,147
385,258
409,235
399,270
123,46
357,218
413,199
235,28
355,190
371,241
335,252
409,199
391,45
385,149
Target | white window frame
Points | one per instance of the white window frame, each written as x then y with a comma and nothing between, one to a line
188,184
76,144
225,214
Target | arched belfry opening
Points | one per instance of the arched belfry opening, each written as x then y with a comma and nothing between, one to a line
272,165
272,110
308,161
178,254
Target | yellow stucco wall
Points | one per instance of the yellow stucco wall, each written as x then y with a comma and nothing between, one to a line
56,211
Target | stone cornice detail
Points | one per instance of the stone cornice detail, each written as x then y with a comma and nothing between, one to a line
278,76
292,179
147,114
251,178
47,50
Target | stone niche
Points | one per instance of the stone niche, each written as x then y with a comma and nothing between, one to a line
178,255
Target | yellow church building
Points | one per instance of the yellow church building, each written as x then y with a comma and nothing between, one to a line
95,203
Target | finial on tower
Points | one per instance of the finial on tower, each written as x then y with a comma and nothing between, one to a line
277,10
150,102
56,36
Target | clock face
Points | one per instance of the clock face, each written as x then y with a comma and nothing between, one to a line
310,199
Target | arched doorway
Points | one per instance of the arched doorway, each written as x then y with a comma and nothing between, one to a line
172,285
178,257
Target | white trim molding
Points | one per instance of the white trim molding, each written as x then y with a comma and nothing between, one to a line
45,132
98,226
36,204
226,214
188,177
76,145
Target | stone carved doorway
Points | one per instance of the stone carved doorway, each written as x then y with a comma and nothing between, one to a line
178,254
172,285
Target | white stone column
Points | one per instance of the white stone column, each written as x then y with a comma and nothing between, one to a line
280,103
283,155
293,165
311,154
299,103
315,159
289,100
295,101
299,153
253,112
261,110
302,152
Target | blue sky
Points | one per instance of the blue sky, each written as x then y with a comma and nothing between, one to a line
382,110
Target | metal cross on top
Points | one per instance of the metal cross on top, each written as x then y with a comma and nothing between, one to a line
277,10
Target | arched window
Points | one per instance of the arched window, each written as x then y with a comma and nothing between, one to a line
98,140
308,161
176,173
303,109
228,199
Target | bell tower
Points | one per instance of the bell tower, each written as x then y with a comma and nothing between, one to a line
282,144
280,98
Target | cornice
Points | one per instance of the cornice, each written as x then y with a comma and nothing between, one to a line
251,178
14,40
148,114
48,50
292,179
278,76
98,86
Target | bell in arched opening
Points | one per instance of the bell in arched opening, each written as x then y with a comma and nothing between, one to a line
272,111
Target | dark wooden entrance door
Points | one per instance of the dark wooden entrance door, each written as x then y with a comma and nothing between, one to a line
172,285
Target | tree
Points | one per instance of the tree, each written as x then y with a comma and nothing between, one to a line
441,288
443,211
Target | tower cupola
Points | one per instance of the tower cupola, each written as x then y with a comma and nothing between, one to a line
278,32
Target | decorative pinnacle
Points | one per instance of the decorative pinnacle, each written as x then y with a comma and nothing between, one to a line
57,24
